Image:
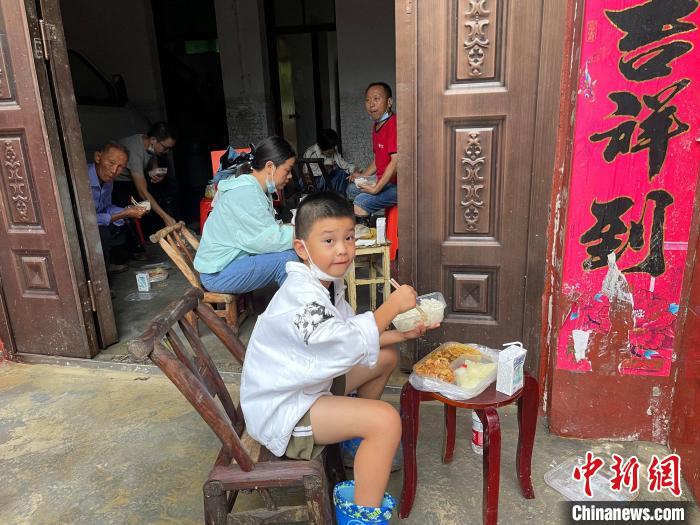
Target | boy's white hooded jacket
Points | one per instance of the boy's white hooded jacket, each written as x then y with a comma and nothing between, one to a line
298,346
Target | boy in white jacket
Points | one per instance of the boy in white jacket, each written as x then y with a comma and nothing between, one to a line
309,349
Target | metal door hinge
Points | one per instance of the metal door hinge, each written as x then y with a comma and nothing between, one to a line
91,291
409,7
42,45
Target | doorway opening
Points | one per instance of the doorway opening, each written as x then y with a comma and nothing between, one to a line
160,62
165,61
303,56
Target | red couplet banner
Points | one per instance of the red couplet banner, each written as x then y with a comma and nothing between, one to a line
634,174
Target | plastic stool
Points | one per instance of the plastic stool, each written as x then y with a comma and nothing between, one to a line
392,230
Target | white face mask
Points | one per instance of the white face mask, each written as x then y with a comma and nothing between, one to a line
270,183
384,117
316,271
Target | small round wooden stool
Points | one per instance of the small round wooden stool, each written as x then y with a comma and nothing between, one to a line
485,405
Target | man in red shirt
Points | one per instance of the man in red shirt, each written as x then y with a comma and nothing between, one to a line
375,196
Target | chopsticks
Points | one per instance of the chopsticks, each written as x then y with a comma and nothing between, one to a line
396,286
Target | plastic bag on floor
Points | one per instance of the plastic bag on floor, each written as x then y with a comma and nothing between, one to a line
140,296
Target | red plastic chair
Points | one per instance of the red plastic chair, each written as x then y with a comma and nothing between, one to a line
205,203
392,230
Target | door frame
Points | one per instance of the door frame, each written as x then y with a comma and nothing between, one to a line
550,59
271,33
556,229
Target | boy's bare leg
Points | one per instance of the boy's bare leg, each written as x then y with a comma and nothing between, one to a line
370,382
337,418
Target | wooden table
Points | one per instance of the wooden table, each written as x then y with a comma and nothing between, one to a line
378,274
485,405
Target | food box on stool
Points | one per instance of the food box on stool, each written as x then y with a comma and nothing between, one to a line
441,370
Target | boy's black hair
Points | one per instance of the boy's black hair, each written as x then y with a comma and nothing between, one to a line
384,85
317,206
161,131
327,139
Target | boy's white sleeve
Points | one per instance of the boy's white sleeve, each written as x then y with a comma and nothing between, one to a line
334,345
344,307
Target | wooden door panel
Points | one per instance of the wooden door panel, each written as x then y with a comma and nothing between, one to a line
478,31
477,90
62,82
39,280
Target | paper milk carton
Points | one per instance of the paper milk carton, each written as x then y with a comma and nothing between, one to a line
511,361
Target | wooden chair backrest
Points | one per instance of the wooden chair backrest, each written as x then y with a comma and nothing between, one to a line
181,245
189,366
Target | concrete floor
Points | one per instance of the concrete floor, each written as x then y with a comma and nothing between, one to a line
92,446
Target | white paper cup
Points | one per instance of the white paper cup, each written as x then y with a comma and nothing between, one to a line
143,282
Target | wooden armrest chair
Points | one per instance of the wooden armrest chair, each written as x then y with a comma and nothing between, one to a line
181,245
306,163
242,463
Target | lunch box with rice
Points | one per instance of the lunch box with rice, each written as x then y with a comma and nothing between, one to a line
433,306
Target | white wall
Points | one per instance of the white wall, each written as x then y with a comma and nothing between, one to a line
366,53
243,52
119,37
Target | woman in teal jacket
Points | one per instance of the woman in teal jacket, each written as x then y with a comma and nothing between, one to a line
243,246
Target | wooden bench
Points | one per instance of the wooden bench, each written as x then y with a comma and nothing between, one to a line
171,342
181,245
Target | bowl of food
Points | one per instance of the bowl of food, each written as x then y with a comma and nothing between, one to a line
432,310
157,275
157,174
456,370
369,181
437,364
143,204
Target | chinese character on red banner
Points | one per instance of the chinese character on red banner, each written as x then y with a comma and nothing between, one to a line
626,474
665,474
587,471
611,234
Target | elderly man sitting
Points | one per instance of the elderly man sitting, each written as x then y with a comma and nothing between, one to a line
109,162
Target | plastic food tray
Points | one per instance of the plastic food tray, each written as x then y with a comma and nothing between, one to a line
451,390
409,320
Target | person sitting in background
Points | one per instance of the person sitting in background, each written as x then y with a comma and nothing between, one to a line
243,246
143,178
370,198
109,162
337,167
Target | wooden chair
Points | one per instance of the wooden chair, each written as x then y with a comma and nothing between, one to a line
181,245
242,463
307,173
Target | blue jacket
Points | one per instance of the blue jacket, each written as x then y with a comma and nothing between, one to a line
242,223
